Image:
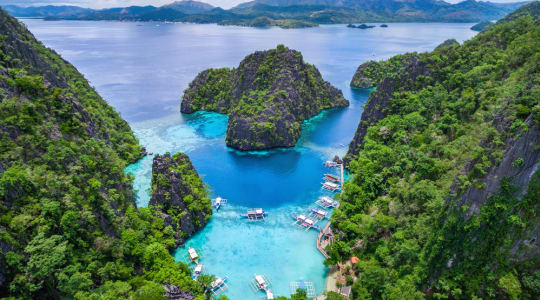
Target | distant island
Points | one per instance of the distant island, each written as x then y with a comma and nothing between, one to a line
362,26
284,13
266,98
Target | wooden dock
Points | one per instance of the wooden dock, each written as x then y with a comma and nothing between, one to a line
325,229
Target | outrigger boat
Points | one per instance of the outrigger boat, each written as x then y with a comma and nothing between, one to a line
305,222
330,177
299,219
326,202
192,256
197,271
319,213
218,202
218,286
310,223
330,186
303,285
255,214
262,283
330,164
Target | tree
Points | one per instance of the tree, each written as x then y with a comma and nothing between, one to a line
46,256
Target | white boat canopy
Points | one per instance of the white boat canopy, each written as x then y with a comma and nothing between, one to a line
192,253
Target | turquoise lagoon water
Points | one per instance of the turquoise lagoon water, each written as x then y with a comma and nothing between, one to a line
142,68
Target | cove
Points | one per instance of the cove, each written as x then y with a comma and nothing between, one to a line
141,69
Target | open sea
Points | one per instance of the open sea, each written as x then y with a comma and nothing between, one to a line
141,69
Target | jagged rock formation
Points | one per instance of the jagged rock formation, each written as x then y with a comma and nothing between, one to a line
180,194
175,293
267,98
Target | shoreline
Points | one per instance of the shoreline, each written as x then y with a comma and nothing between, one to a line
331,280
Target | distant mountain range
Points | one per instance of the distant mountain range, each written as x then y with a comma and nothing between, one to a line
285,13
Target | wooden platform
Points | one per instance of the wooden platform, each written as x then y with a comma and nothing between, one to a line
325,229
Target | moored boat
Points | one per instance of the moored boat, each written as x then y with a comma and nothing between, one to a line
331,177
255,214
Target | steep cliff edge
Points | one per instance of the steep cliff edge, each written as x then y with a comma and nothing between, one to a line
266,98
444,196
401,72
178,191
69,227
379,102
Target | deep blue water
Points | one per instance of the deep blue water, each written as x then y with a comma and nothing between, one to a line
142,69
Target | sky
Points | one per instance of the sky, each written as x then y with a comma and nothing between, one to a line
123,3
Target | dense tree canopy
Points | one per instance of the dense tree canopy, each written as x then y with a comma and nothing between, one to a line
425,212
69,227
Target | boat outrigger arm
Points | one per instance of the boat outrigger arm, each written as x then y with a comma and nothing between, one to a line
306,223
260,283
218,286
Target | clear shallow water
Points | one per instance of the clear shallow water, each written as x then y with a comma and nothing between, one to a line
142,69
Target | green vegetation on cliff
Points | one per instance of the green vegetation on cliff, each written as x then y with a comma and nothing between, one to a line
69,227
444,200
180,193
267,98
481,26
372,73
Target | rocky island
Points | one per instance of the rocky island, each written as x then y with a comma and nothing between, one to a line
179,193
361,26
266,98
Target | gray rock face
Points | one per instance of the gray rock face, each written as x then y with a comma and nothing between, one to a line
520,161
267,98
15,47
175,293
379,100
525,149
179,191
